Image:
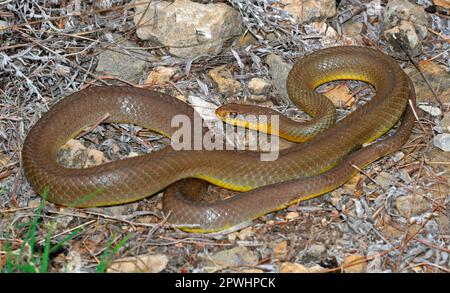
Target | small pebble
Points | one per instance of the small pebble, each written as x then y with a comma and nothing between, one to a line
258,98
442,141
434,111
292,216
291,267
445,122
411,205
384,179
161,75
258,86
280,250
245,233
224,81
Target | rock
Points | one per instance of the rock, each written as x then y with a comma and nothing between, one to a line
72,154
306,11
397,156
317,250
433,111
259,98
374,8
291,216
353,28
258,86
188,29
280,250
354,263
279,71
313,254
384,179
290,267
408,23
94,158
242,235
442,141
139,264
224,82
445,122
340,95
245,233
443,3
161,75
411,205
121,63
75,155
437,76
234,257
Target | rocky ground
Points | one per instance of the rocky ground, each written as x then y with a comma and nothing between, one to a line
392,217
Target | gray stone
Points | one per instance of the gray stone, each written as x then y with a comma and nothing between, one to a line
445,122
186,28
122,63
279,71
404,23
314,254
442,141
432,110
384,179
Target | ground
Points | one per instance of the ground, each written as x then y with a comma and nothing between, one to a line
392,217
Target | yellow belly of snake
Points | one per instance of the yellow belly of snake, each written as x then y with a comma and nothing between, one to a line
303,171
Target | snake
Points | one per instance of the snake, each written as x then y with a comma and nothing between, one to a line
332,152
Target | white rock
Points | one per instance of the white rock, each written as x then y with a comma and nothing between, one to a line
434,111
442,141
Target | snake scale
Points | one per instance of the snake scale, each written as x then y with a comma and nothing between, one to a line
303,171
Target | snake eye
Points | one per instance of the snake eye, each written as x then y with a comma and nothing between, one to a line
232,114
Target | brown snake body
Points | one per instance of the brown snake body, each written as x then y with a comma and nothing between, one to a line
306,170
